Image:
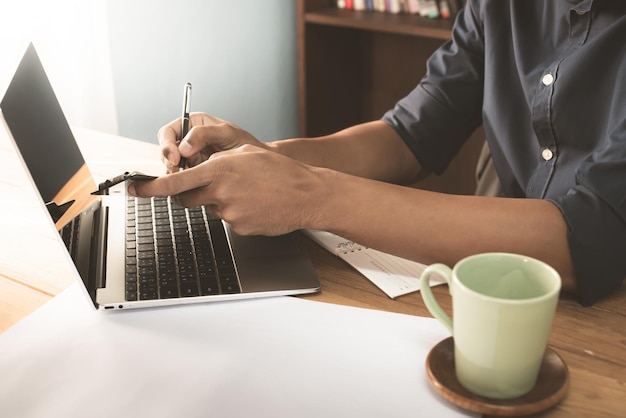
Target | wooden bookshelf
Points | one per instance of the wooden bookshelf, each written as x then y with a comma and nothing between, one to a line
401,24
353,66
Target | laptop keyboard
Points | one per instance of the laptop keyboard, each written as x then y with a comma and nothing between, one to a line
175,252
69,233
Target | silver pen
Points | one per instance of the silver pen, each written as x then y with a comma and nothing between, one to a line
185,120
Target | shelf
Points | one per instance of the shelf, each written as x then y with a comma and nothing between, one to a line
353,66
402,24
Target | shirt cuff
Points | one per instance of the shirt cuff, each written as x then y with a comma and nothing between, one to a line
596,238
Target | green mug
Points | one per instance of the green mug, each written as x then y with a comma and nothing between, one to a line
503,305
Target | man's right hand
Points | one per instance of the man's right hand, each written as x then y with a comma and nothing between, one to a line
207,135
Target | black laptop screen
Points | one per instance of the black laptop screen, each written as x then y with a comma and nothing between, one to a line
39,128
44,139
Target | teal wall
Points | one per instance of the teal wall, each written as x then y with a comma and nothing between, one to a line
239,55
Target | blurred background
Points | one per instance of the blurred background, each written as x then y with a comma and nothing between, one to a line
119,66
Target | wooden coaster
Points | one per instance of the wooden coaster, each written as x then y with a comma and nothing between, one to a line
551,386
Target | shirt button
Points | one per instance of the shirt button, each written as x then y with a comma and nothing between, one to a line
546,154
547,79
581,12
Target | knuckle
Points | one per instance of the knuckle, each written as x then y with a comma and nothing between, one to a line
161,134
248,148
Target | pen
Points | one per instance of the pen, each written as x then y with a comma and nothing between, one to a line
185,120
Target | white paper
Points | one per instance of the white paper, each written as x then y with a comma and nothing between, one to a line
393,275
278,357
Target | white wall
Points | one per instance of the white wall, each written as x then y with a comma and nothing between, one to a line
240,57
71,40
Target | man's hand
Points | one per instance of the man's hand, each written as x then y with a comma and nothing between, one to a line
207,135
257,191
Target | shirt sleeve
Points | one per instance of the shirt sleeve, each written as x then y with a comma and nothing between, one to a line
595,211
438,116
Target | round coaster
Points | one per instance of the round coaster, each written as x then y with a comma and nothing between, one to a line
551,386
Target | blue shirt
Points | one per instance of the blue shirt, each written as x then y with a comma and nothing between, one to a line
547,80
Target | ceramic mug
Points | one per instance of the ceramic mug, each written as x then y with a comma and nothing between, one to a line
502,305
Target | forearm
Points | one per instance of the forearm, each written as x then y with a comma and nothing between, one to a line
433,227
371,150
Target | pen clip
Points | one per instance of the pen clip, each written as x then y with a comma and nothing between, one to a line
187,101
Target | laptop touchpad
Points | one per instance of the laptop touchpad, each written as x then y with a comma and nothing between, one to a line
262,246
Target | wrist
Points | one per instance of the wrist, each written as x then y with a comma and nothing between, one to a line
330,205
286,147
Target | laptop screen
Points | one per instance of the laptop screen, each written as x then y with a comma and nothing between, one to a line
45,140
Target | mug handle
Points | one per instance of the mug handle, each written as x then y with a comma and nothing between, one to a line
427,293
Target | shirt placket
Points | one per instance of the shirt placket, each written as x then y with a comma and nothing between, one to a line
580,21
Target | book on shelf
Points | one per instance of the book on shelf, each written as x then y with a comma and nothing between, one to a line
413,6
393,275
429,8
445,9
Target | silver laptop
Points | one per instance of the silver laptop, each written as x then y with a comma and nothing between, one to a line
138,252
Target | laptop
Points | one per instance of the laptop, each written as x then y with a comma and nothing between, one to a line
138,252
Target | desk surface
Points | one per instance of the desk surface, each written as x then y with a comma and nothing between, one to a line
591,340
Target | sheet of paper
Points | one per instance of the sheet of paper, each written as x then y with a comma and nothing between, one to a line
278,357
393,275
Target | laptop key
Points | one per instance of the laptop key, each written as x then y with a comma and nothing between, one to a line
189,289
188,277
148,295
219,240
208,286
165,282
228,279
207,270
231,288
226,270
167,292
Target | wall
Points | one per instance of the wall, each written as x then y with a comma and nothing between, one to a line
71,39
240,57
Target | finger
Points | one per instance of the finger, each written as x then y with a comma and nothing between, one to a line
214,211
168,137
193,142
172,184
169,167
170,133
173,147
216,134
200,196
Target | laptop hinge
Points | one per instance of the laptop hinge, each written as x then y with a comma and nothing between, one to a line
57,211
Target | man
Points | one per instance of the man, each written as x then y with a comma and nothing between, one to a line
546,79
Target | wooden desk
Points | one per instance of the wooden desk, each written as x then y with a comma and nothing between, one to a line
33,269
